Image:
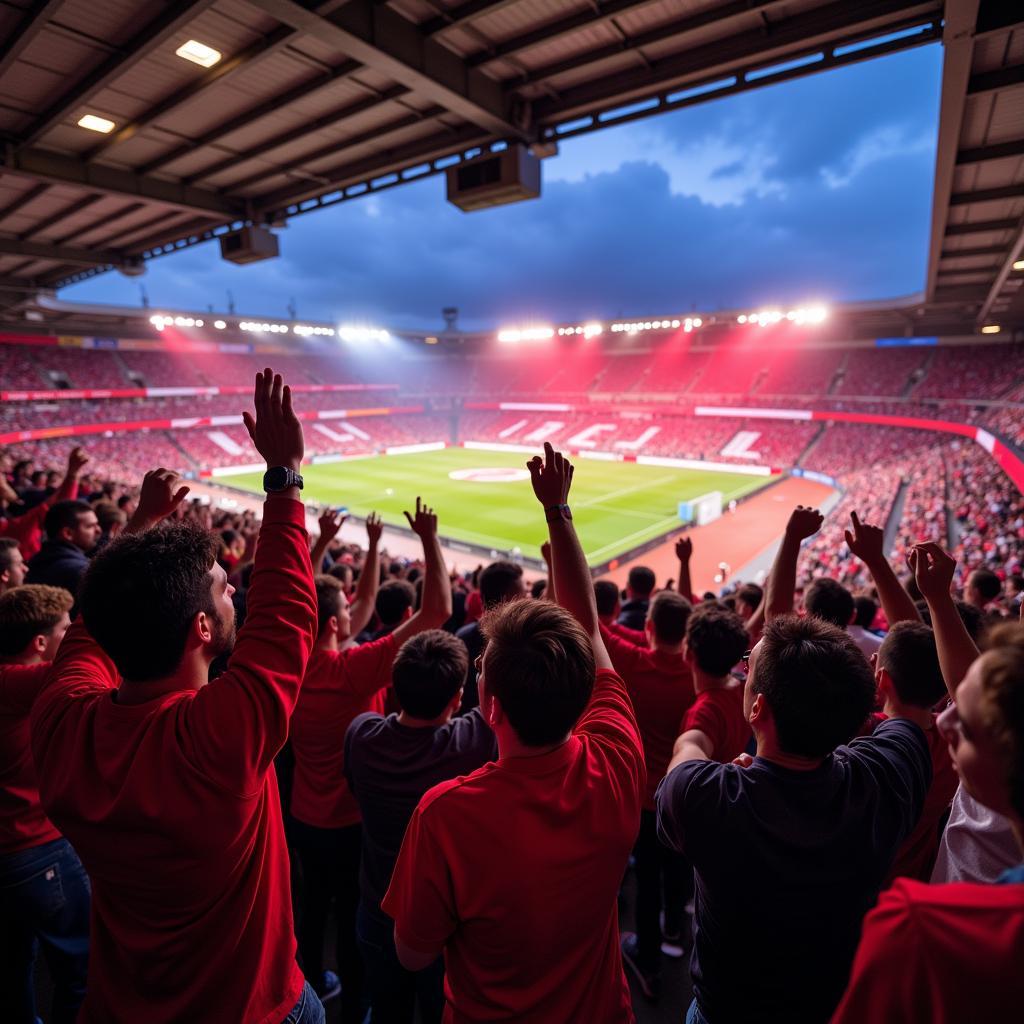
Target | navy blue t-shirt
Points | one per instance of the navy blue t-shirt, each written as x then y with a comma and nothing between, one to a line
786,864
389,767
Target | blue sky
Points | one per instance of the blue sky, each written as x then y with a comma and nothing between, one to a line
818,189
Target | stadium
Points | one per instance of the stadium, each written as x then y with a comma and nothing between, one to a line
135,131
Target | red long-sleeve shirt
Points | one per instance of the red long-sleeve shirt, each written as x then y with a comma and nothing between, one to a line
23,822
27,529
173,808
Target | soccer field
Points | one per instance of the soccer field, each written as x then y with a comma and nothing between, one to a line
481,499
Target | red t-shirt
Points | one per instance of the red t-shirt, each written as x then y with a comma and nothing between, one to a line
939,954
173,807
635,636
23,822
339,686
27,529
515,870
661,687
719,715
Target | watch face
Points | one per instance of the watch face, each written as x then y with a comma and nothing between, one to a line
275,479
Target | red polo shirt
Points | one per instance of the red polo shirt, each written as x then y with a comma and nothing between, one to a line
339,686
515,870
23,822
661,687
939,954
173,807
719,715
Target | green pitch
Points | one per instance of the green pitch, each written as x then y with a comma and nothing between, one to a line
616,505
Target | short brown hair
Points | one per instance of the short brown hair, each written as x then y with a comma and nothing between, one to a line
328,600
668,614
429,670
540,665
1002,684
909,655
28,611
716,638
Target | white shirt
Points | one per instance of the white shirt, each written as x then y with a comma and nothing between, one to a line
978,845
867,641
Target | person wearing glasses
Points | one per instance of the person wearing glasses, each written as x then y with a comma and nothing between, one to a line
796,840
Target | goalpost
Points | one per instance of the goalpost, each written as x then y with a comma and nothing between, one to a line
700,511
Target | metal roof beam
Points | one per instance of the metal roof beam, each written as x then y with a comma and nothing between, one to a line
162,28
23,200
987,195
605,12
1012,255
57,169
298,133
62,214
62,253
958,52
392,45
464,14
980,227
32,23
995,81
248,117
983,250
995,151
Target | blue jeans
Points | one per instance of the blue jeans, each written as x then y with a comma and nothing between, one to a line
308,1010
44,901
394,991
694,1016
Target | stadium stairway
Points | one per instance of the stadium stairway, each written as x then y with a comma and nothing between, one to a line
892,524
918,375
837,377
811,445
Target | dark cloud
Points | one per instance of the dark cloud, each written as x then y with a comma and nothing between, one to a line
848,220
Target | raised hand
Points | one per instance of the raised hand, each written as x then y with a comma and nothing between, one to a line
933,571
545,553
374,528
551,477
160,497
865,541
684,549
275,430
77,460
330,522
424,522
803,523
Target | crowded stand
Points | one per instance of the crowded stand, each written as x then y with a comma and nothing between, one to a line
879,372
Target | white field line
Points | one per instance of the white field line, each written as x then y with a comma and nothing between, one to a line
624,491
623,542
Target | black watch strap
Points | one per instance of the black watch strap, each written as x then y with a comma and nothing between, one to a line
280,478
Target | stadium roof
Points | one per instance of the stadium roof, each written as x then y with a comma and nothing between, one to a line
317,102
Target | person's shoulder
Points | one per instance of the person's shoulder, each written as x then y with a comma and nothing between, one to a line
365,727
470,630
455,797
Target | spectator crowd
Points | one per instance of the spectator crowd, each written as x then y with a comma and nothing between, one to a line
246,774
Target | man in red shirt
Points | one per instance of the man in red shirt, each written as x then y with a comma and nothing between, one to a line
661,687
513,871
164,784
46,892
340,685
715,641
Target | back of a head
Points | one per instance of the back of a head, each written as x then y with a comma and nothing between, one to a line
908,653
64,514
329,595
1002,686
429,670
972,618
641,581
826,599
8,547
750,594
819,686
27,611
539,663
606,594
864,611
988,585
394,598
668,615
141,593
501,581
716,639
109,515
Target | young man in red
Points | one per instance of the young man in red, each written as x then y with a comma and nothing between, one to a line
660,684
715,641
45,889
164,784
513,871
340,685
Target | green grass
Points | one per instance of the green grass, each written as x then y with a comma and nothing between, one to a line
616,505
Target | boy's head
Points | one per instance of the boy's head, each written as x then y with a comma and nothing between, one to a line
429,673
606,595
640,582
715,639
395,602
332,610
666,618
537,670
501,581
983,587
908,665
831,601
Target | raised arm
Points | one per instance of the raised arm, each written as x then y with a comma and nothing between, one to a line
545,552
866,542
365,598
330,523
68,489
684,552
552,478
803,523
436,605
933,570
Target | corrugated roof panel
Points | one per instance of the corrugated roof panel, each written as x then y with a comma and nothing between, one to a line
516,19
114,20
1007,119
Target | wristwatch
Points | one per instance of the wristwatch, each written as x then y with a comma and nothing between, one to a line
555,512
280,478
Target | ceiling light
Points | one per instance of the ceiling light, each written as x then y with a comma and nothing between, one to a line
990,329
199,53
1018,265
95,123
